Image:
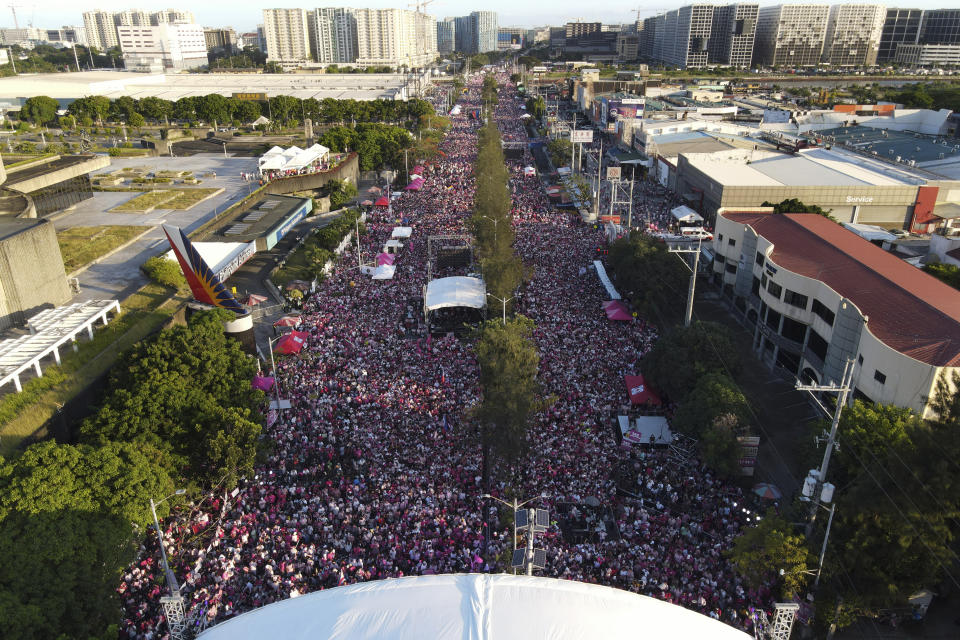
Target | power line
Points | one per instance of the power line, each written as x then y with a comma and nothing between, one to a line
906,520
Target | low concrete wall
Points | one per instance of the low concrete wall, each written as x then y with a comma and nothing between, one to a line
347,169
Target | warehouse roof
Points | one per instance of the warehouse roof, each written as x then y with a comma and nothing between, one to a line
808,167
907,309
113,84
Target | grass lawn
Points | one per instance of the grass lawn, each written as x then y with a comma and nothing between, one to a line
296,268
147,200
190,197
83,245
23,416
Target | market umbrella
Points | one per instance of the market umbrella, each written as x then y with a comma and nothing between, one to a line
385,258
767,491
292,342
287,321
254,299
374,190
367,203
262,382
382,201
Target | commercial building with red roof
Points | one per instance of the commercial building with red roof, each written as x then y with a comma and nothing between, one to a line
818,295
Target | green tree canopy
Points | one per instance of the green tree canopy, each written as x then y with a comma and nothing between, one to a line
39,109
685,354
761,551
653,279
793,205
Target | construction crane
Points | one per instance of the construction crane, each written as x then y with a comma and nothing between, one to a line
420,5
13,9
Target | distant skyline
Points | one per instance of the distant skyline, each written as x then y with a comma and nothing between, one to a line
244,16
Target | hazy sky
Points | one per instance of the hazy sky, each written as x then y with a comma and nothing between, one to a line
244,16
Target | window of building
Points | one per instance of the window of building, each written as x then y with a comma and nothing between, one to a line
763,280
732,242
825,314
759,259
755,289
720,258
795,299
793,330
860,359
732,267
773,319
879,377
774,289
817,345
721,237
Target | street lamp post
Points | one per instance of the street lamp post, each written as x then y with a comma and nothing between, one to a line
515,506
173,604
494,221
276,375
504,301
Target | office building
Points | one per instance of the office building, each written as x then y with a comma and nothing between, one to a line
899,326
687,36
446,35
395,37
101,29
899,26
928,55
485,25
940,26
287,36
648,36
628,46
732,35
25,36
853,35
510,38
790,35
579,29
335,39
164,47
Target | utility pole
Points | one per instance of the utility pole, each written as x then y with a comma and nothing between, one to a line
688,316
842,390
599,165
173,606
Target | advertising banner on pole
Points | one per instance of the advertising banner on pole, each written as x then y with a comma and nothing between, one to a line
613,173
581,135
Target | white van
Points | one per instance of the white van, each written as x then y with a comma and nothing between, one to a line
696,233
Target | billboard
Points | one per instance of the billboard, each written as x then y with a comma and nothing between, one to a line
581,135
616,108
749,449
613,173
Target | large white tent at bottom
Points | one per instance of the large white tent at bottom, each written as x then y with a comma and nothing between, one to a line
474,606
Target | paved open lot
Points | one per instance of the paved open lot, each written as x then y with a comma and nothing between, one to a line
119,275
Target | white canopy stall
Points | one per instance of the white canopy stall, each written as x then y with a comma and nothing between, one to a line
455,291
474,606
292,159
401,232
685,215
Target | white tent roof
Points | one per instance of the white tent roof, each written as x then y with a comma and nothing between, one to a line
456,291
401,232
605,280
683,213
472,607
261,120
223,258
384,272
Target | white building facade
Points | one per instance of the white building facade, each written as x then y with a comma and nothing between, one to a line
853,35
165,47
790,35
395,37
287,36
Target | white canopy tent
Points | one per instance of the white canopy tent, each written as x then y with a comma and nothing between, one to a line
292,159
472,606
384,272
456,291
605,280
401,232
683,213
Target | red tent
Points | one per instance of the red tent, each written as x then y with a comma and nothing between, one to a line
382,202
254,299
616,310
639,392
292,342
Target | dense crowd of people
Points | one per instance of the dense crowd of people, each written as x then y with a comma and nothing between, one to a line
375,472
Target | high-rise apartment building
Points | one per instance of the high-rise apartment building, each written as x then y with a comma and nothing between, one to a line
510,38
101,29
395,37
579,29
853,35
335,39
287,35
733,34
648,37
218,40
164,47
790,35
901,26
101,26
465,37
171,16
446,35
686,36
